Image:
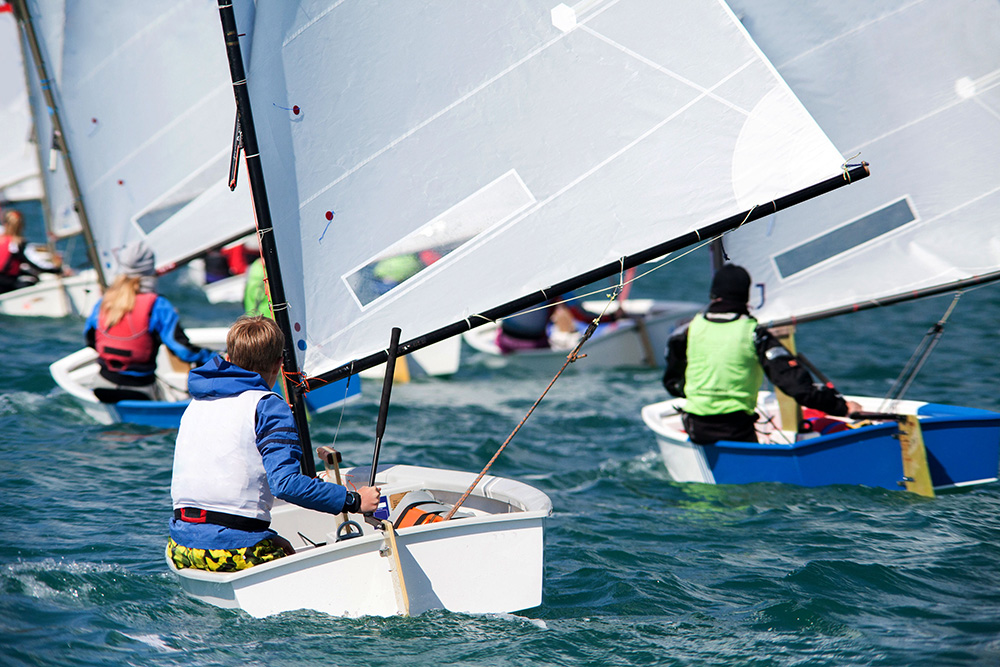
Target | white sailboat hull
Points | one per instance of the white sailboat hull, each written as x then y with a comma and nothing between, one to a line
54,296
440,359
639,340
491,562
77,373
227,290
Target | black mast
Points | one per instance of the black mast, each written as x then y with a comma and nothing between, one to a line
269,252
850,175
21,12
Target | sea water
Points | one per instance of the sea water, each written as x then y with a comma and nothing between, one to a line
639,570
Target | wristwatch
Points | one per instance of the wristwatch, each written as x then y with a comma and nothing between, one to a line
353,502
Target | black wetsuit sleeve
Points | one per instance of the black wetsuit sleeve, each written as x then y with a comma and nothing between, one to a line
673,377
785,371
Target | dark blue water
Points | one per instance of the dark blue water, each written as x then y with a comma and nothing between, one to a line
639,570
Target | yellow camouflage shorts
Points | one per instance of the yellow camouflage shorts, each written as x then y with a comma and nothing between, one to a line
223,560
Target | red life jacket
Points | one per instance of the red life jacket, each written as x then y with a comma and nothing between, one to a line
128,345
10,265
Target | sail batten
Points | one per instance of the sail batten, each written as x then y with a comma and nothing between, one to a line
426,163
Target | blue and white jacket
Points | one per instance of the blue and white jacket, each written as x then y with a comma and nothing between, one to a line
238,449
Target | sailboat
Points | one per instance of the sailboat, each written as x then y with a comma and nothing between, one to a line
550,141
138,163
636,338
138,95
915,86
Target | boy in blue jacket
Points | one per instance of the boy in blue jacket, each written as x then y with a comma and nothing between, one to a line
238,449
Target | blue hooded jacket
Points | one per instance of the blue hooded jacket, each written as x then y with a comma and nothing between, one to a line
278,444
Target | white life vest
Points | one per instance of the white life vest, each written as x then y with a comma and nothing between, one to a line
216,463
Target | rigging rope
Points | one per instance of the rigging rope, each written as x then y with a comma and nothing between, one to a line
570,358
917,360
573,355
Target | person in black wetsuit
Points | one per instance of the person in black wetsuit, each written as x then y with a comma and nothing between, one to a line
719,360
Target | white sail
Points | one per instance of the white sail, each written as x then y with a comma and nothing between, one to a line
61,218
914,87
147,109
523,142
19,173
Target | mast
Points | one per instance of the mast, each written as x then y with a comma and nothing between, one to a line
269,252
850,175
46,200
23,17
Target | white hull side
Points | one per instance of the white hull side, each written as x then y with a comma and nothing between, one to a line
227,290
623,343
440,359
489,563
54,296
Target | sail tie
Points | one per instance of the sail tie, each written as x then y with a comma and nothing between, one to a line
846,166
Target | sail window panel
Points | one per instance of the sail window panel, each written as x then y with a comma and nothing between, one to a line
190,188
856,233
497,202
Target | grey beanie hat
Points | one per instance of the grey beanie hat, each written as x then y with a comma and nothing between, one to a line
137,260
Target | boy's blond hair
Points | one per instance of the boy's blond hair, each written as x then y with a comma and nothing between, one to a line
254,344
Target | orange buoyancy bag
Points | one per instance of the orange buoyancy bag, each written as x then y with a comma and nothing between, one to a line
414,516
128,345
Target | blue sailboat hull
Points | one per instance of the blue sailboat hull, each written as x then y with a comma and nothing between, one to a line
167,414
962,445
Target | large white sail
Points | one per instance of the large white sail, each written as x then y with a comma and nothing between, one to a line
146,104
502,146
19,173
914,87
61,218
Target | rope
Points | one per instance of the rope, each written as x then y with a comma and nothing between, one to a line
846,170
570,358
917,360
772,435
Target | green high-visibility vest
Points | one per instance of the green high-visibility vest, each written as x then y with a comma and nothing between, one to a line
256,300
723,374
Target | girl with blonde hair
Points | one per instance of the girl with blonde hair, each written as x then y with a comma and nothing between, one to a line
127,327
